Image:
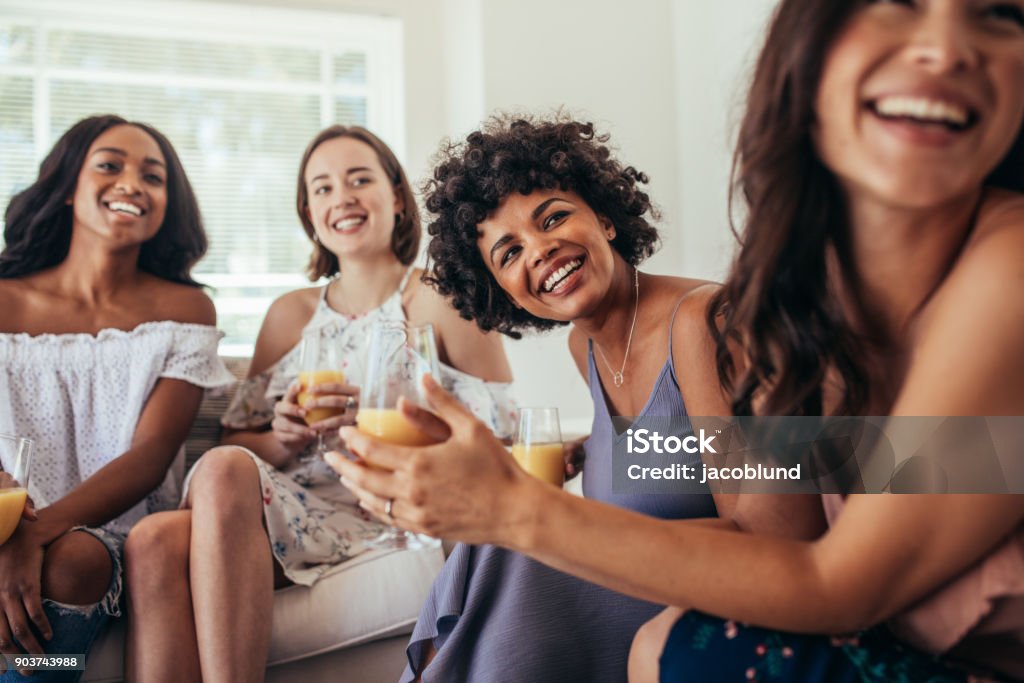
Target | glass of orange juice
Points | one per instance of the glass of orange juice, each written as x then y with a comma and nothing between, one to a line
538,445
320,363
15,454
398,357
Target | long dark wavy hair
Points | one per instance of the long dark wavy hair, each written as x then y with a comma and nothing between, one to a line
405,238
38,219
778,303
518,153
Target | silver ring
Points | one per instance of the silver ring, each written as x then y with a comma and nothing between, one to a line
350,403
387,508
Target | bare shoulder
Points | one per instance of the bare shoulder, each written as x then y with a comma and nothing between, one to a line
463,345
423,304
419,297
1000,226
282,326
689,327
990,264
1001,208
965,349
181,303
295,307
694,354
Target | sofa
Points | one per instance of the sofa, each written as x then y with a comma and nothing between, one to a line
351,626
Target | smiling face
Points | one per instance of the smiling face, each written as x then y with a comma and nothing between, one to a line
919,100
121,192
550,252
351,201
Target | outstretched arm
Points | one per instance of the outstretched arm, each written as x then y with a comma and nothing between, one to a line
884,553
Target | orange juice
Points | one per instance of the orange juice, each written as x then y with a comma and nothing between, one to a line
390,426
311,379
543,460
12,502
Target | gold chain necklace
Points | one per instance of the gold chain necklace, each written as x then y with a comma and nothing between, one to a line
617,377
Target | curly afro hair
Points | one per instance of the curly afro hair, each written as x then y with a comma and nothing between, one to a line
520,154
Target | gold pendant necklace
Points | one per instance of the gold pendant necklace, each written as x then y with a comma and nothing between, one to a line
618,378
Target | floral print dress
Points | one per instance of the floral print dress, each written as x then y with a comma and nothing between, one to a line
313,522
704,648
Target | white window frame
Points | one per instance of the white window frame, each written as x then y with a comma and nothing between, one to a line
379,37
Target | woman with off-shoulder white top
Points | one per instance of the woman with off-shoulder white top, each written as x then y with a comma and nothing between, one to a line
106,345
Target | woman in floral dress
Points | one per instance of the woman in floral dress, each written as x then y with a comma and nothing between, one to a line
189,601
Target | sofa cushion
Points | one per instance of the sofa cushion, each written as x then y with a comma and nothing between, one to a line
375,595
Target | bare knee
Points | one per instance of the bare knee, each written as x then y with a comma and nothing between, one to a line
226,478
156,552
76,569
648,644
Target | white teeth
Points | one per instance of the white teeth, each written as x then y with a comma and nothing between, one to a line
923,109
125,207
557,278
347,223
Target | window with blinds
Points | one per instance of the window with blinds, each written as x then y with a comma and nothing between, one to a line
239,90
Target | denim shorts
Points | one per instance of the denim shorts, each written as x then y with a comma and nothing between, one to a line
76,627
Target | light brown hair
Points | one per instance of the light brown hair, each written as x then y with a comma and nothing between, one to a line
405,240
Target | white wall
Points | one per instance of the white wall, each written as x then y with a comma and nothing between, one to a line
715,46
609,62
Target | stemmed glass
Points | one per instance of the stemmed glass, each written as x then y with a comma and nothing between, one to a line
398,357
17,452
538,446
320,363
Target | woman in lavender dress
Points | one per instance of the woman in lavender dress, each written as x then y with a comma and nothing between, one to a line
536,225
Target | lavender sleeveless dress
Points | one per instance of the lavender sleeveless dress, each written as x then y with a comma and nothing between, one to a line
497,615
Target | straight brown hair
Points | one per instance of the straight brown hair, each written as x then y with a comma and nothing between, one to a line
405,240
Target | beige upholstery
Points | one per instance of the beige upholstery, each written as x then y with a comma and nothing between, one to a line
352,625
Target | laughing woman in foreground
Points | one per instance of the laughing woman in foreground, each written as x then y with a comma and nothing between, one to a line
881,161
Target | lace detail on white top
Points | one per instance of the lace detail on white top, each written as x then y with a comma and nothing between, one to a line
313,522
80,396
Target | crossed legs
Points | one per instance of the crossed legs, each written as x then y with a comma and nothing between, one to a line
201,580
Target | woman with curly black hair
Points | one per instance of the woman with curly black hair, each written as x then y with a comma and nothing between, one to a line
537,225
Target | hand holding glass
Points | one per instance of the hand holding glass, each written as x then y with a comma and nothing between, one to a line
17,452
538,446
398,358
320,364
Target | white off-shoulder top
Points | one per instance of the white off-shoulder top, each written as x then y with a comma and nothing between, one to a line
80,396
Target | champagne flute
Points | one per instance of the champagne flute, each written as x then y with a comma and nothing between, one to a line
16,454
538,446
320,363
398,357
